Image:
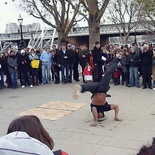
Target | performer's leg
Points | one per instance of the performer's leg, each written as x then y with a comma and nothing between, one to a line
102,86
104,83
91,87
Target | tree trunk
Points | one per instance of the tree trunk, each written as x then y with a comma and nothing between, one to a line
94,30
62,38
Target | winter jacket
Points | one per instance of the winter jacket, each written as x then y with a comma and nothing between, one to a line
133,59
146,58
97,54
12,63
24,63
64,58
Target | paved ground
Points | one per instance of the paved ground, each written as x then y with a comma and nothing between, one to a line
73,133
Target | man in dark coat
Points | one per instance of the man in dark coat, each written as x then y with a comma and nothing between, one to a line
146,64
98,62
24,67
63,62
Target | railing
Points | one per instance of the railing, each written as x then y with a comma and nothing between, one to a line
76,31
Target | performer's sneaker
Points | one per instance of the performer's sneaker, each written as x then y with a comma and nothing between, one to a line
76,91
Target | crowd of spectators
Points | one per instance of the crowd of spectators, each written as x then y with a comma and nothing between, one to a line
32,67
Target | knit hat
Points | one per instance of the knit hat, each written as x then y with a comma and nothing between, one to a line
20,143
22,51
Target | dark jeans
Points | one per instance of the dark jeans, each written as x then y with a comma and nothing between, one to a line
97,73
1,79
52,71
75,71
147,72
70,72
8,79
65,72
57,74
34,72
125,78
103,85
40,75
25,76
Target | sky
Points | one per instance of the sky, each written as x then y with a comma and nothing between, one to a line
10,13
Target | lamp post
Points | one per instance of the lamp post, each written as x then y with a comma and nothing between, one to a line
135,42
21,43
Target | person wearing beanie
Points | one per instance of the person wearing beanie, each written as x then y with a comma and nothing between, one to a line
24,67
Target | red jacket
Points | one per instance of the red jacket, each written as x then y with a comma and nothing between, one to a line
87,71
117,73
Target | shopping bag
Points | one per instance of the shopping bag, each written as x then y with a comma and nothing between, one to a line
35,63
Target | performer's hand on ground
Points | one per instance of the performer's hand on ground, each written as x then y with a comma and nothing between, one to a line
94,124
117,119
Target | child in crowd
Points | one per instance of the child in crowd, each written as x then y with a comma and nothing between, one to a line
116,76
87,73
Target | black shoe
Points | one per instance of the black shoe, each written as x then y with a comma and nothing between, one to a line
144,87
150,87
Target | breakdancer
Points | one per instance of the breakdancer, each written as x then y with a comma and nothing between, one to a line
99,90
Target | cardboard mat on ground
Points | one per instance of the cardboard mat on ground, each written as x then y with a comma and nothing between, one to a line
53,110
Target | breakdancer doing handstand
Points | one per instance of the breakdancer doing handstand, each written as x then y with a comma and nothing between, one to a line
99,89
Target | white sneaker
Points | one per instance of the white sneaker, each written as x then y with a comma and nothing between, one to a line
31,86
23,86
76,91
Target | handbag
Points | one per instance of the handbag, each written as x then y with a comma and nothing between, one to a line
35,63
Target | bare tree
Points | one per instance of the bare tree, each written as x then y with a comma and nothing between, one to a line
92,11
55,13
124,13
147,14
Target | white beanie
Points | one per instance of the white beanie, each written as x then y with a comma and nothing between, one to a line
22,51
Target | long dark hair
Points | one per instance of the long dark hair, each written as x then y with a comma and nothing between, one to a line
33,127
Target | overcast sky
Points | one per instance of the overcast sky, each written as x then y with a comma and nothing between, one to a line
10,12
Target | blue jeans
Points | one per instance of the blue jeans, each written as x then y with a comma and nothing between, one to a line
133,76
46,73
14,78
65,77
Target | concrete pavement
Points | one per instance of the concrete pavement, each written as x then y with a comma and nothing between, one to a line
73,133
